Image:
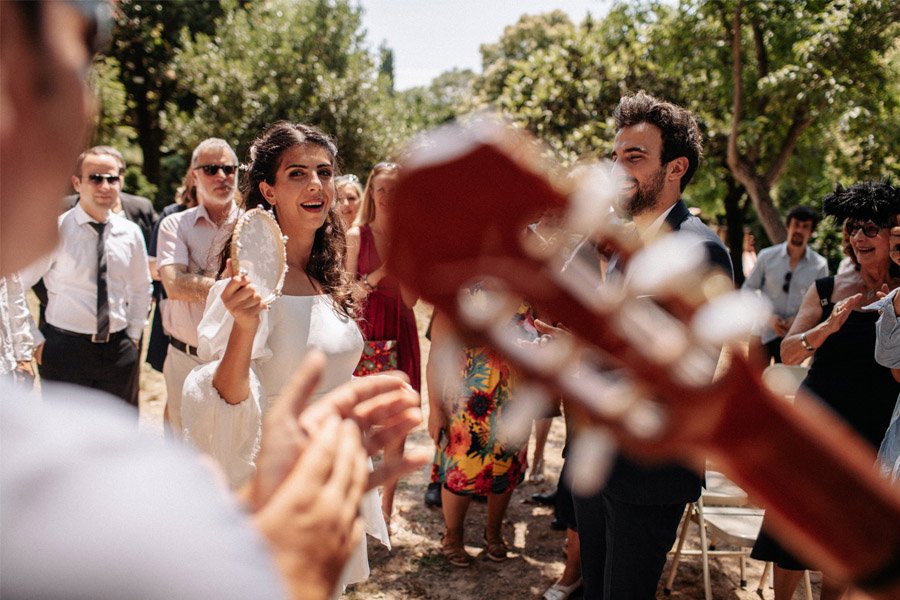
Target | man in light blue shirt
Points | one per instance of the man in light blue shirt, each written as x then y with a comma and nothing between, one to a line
783,273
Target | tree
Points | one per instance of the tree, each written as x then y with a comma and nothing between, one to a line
146,38
302,61
424,107
816,77
811,60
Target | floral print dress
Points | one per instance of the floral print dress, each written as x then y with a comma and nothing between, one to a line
475,459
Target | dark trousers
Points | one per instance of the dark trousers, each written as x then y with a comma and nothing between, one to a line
111,367
624,546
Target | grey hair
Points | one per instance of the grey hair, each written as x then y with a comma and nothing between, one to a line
211,143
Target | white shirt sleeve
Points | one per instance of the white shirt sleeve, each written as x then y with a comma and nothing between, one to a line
230,433
92,508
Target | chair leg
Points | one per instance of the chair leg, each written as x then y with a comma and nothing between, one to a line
764,579
676,557
707,587
743,559
807,585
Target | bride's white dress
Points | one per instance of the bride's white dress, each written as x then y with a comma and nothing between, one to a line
230,433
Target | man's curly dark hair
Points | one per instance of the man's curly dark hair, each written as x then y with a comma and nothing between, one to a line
680,134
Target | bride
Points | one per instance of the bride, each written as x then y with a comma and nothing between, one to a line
291,171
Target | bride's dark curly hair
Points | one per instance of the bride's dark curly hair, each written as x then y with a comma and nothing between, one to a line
326,260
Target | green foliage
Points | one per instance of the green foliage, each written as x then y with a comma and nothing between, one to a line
301,61
110,128
832,64
135,182
424,107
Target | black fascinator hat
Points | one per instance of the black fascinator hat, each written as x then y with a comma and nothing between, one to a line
876,201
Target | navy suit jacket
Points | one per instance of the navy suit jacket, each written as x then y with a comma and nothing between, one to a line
636,483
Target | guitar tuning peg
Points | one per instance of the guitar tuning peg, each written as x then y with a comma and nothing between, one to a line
590,461
645,419
669,263
591,203
448,357
696,368
601,393
731,317
529,403
486,302
583,281
653,332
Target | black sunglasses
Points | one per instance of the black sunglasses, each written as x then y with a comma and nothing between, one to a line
210,170
869,228
99,178
787,281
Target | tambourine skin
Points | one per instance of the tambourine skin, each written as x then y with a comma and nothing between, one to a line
258,250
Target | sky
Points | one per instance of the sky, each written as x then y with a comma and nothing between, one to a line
429,37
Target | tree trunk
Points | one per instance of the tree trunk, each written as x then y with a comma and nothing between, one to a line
769,217
734,219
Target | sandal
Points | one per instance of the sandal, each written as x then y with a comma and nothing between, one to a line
537,472
561,592
455,553
496,549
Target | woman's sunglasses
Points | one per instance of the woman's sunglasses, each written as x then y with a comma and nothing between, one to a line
869,228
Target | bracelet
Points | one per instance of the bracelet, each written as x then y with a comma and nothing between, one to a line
367,285
805,343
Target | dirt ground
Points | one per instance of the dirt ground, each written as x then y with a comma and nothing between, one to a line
414,568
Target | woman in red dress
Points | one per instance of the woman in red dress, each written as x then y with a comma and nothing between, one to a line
387,309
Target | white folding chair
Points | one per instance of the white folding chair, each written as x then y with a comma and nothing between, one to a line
722,513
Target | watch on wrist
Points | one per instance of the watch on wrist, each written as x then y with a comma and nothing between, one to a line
805,343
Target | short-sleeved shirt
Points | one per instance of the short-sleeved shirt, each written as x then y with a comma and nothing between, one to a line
193,239
770,277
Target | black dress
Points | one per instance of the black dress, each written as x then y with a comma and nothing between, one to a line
846,377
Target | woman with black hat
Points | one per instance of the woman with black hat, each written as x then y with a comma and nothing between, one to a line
840,337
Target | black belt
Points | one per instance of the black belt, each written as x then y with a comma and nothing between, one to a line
92,337
179,345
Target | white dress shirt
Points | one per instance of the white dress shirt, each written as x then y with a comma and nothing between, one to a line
70,274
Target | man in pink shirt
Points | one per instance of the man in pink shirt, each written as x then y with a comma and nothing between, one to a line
188,255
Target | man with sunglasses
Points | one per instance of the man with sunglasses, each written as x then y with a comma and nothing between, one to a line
89,508
782,274
187,255
98,287
137,209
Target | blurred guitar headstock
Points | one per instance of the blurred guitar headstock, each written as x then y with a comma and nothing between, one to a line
466,204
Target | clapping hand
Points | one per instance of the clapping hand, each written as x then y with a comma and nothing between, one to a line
895,240
307,488
842,310
383,408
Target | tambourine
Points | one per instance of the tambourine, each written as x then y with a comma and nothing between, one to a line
258,251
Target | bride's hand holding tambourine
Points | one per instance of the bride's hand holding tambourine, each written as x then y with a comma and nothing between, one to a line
257,267
242,299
